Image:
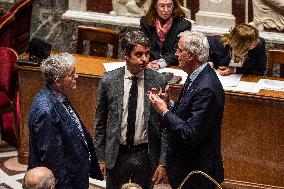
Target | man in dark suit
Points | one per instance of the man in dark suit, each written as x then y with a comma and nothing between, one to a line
128,141
58,138
194,122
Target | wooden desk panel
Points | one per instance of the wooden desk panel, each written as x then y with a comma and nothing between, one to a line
252,142
252,128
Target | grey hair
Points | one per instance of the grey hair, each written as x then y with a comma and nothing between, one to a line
56,65
46,183
133,38
197,43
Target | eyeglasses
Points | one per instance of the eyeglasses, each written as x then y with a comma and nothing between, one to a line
180,50
72,75
164,6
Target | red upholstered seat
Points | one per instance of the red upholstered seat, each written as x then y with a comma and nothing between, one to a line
23,12
8,100
4,100
8,59
6,30
19,5
4,17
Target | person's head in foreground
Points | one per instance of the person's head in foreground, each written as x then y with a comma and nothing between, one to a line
39,178
131,186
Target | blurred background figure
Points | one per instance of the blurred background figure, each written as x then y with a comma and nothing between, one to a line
241,51
162,23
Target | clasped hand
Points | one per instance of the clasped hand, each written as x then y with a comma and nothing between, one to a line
153,65
226,70
159,99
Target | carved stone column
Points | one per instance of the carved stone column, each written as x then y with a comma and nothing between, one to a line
80,5
268,15
215,13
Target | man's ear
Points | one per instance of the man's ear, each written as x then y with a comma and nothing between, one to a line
56,82
126,56
191,56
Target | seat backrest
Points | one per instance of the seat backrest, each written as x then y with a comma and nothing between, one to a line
8,59
275,56
23,13
7,22
100,41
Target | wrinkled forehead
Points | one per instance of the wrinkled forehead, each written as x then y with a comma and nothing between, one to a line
164,1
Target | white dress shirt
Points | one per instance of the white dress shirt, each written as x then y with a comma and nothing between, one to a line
141,135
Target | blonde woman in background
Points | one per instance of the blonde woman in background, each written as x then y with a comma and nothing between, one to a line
241,51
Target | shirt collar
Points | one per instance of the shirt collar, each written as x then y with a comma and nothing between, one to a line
196,72
140,75
59,96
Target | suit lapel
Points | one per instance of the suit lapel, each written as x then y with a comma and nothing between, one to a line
118,84
148,84
69,124
75,128
194,85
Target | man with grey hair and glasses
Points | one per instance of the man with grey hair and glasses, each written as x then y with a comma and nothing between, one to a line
58,138
193,122
39,178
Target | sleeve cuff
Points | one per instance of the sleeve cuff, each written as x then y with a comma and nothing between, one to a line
165,112
162,63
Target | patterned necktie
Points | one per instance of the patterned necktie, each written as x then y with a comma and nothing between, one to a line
132,106
77,121
186,85
73,116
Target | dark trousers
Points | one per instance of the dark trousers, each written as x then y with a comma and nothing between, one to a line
131,165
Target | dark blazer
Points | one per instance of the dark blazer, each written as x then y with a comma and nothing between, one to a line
109,116
170,45
194,133
255,63
56,143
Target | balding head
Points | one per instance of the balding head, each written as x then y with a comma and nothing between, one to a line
39,178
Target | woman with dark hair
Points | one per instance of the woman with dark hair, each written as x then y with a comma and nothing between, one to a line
241,51
162,23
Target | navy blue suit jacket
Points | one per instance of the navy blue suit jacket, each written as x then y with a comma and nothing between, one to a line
255,63
194,132
170,45
56,143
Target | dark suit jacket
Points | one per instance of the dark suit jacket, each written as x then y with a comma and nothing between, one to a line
194,133
255,64
109,116
56,143
170,45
